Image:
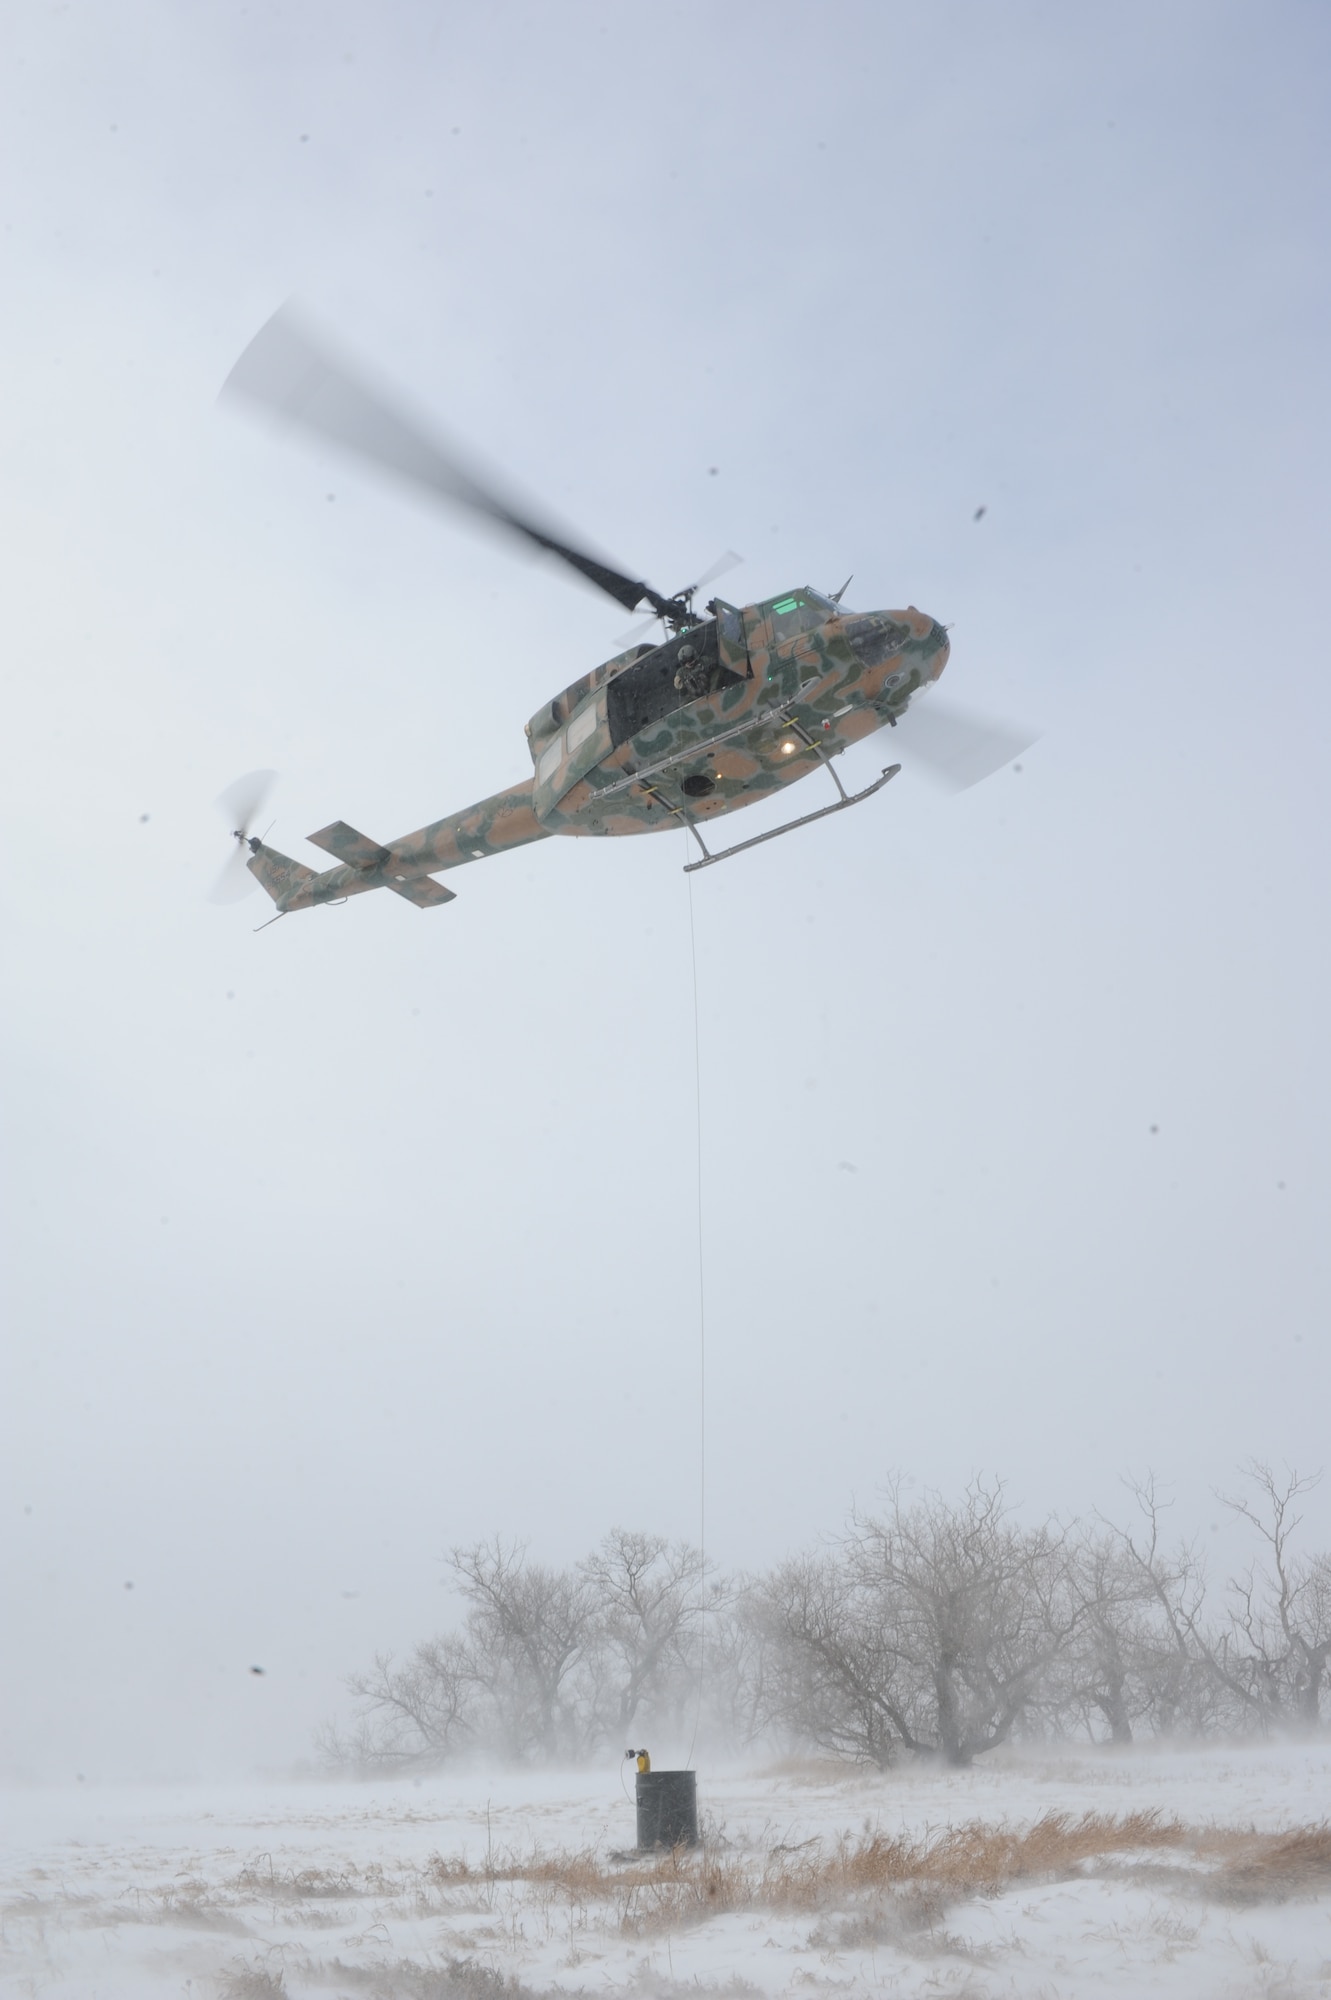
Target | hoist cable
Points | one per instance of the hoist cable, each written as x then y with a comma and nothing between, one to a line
702,1334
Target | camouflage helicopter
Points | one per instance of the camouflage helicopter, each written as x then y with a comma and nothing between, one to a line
731,705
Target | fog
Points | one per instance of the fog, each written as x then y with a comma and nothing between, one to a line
335,1246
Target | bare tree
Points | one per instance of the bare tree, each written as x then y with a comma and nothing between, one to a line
1142,1654
411,1715
550,1662
829,1662
1276,1654
942,1629
648,1612
1102,1670
1177,1664
976,1610
933,1629
528,1632
741,1666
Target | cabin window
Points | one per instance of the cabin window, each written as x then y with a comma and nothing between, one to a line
581,727
550,760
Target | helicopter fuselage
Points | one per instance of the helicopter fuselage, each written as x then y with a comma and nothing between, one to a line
726,711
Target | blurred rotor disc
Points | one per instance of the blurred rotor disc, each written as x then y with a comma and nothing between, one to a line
241,803
956,748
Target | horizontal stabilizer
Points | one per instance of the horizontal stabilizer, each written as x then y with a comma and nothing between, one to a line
356,849
423,891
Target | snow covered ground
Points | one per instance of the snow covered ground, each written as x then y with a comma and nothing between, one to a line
389,1889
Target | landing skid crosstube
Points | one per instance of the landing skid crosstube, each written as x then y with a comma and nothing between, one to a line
846,799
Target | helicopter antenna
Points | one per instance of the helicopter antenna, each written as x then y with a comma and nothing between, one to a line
837,595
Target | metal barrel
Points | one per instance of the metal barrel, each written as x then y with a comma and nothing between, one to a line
667,1809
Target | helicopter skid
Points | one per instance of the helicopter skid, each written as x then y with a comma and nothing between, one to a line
807,819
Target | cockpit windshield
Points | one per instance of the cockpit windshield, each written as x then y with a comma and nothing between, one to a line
799,612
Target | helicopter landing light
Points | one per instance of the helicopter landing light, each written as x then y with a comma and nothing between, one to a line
788,749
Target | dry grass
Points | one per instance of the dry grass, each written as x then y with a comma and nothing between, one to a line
976,1859
406,1979
1268,1867
861,1891
263,1882
253,1982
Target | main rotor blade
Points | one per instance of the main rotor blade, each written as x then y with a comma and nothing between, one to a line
723,563
956,747
634,633
287,370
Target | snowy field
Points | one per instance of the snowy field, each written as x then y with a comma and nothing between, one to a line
813,1881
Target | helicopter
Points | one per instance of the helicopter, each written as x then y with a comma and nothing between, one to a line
729,705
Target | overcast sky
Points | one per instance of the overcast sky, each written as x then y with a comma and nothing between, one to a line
335,1246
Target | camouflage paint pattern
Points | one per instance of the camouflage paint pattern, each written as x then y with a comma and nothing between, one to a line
409,864
779,701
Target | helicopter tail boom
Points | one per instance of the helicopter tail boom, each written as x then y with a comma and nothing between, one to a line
408,865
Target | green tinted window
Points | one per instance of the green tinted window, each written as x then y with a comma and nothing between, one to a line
795,614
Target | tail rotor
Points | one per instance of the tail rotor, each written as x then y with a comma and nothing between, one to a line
241,802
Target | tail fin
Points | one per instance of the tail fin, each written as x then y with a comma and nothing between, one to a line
289,883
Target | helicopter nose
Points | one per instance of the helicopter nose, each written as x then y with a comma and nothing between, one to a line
877,636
